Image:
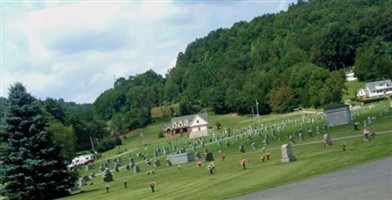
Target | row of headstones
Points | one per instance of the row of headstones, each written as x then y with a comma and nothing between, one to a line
219,140
287,156
132,165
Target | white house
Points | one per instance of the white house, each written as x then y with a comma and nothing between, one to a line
350,76
376,89
196,125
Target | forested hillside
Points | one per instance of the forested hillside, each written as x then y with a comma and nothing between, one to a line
285,60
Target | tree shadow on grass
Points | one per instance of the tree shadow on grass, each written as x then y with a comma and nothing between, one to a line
83,192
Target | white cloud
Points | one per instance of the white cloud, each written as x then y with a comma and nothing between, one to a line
72,50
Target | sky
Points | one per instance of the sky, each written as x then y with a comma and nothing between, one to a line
75,50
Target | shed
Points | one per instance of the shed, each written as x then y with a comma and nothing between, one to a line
181,158
338,115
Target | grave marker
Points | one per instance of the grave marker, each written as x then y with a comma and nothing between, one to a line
287,154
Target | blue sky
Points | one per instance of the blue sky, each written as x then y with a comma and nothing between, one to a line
76,49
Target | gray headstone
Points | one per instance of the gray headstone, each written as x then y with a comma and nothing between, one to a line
287,154
136,169
107,175
157,163
132,165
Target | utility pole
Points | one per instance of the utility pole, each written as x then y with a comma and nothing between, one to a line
92,144
257,108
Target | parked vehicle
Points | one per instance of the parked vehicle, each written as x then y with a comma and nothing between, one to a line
82,160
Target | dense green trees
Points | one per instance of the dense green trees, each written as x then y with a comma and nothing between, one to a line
283,61
128,104
229,68
374,60
73,124
31,163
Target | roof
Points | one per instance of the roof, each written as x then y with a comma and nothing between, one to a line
335,106
376,85
167,126
190,117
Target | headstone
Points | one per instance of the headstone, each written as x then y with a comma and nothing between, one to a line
147,162
266,140
219,142
102,168
164,150
132,164
198,155
168,161
205,151
253,145
157,163
107,175
136,169
241,148
301,136
117,166
209,157
287,154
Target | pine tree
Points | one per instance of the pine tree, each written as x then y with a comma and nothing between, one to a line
31,165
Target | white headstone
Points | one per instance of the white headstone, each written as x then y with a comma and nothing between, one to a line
287,154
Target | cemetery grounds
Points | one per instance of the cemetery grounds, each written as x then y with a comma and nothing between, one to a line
229,179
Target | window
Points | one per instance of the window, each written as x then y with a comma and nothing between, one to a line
197,121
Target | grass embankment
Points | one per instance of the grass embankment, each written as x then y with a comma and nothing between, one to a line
353,87
192,182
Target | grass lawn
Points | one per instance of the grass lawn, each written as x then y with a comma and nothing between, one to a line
229,180
353,87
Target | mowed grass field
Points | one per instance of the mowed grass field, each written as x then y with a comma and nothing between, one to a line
352,88
229,180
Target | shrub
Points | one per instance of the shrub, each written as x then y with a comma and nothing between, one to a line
106,144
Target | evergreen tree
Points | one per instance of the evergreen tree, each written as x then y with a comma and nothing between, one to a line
31,163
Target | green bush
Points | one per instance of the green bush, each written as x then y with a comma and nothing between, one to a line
106,144
370,100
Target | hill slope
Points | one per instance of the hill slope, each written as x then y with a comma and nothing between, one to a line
277,61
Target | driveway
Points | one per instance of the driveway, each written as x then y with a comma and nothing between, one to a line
370,181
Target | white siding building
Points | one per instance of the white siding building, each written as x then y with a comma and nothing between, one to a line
376,89
196,125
